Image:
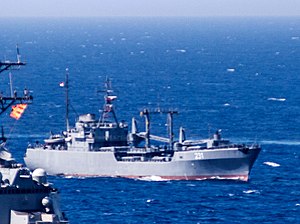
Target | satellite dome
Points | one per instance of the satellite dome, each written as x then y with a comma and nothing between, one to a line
46,202
39,175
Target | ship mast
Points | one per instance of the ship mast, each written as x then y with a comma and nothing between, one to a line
67,99
7,101
108,106
5,65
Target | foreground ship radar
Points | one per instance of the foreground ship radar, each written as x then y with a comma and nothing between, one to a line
103,147
26,198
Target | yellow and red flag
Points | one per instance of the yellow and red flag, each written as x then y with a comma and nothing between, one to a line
18,110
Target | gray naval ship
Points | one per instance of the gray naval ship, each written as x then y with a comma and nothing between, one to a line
103,147
26,197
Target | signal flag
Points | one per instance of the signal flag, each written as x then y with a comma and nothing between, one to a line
17,111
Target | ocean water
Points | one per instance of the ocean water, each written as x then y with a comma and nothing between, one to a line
241,75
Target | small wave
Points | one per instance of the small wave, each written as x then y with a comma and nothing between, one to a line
73,177
191,185
297,204
251,192
181,50
277,99
152,178
12,136
272,164
230,70
219,178
295,38
226,104
281,142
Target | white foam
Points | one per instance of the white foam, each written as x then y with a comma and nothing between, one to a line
181,50
272,164
230,70
277,99
152,178
73,176
251,192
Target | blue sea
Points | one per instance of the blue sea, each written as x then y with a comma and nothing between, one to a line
241,75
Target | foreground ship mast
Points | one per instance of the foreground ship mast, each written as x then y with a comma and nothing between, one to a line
25,197
8,101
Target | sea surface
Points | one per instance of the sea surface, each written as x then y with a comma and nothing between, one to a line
240,75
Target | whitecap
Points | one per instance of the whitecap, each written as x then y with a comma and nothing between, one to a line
226,104
230,70
251,192
181,50
297,204
277,99
272,164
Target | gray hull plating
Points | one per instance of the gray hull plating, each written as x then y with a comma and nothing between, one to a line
193,164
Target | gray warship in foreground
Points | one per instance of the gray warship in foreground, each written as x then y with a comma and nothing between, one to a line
25,197
103,147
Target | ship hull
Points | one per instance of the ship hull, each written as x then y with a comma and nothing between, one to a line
184,165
